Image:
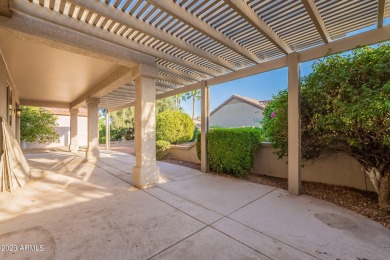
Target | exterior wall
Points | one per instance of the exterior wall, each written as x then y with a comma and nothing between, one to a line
236,114
338,169
5,81
184,152
63,131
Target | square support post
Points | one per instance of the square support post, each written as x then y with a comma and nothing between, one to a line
145,172
294,125
205,116
93,153
108,132
73,146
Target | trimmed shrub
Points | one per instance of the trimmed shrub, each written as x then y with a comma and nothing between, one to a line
196,132
231,150
174,127
162,149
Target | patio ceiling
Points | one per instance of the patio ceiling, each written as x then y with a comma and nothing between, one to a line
194,41
48,74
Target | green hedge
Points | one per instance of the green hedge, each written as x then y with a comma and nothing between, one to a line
174,127
231,150
162,149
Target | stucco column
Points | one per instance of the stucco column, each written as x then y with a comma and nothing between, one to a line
294,125
145,173
108,137
93,129
205,116
73,146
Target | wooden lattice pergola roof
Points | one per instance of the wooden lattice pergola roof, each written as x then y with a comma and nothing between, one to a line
194,41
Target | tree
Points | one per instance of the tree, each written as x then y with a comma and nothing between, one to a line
38,125
122,124
165,104
177,99
194,95
345,105
174,127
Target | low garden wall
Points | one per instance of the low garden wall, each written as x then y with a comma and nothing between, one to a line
338,169
184,152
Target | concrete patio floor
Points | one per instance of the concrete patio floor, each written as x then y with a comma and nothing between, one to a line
81,210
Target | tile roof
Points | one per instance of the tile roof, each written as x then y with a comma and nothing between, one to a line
256,103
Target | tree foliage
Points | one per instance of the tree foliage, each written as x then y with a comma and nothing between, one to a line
38,125
174,127
345,106
165,104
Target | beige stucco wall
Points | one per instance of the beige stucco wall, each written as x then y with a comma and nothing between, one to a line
63,130
338,169
5,80
184,152
236,114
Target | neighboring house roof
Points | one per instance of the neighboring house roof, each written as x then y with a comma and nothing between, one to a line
250,101
65,111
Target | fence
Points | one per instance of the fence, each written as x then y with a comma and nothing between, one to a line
338,169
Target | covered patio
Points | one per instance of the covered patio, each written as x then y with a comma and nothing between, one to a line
114,54
82,210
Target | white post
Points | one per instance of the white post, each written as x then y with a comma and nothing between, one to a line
108,137
73,146
93,153
294,125
145,172
205,115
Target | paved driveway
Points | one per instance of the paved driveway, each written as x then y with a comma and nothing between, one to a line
79,210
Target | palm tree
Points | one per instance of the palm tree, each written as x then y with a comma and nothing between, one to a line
194,95
177,99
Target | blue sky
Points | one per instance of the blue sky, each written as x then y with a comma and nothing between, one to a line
261,86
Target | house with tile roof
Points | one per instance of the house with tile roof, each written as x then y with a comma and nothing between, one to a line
63,129
238,111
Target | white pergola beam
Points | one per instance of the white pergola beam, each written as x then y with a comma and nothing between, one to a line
381,12
38,103
116,79
181,14
253,70
173,80
86,29
54,36
318,22
178,73
252,18
137,24
177,91
345,44
367,38
127,105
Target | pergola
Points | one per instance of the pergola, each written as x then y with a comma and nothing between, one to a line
152,49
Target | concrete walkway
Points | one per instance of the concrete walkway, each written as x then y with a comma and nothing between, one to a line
78,210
